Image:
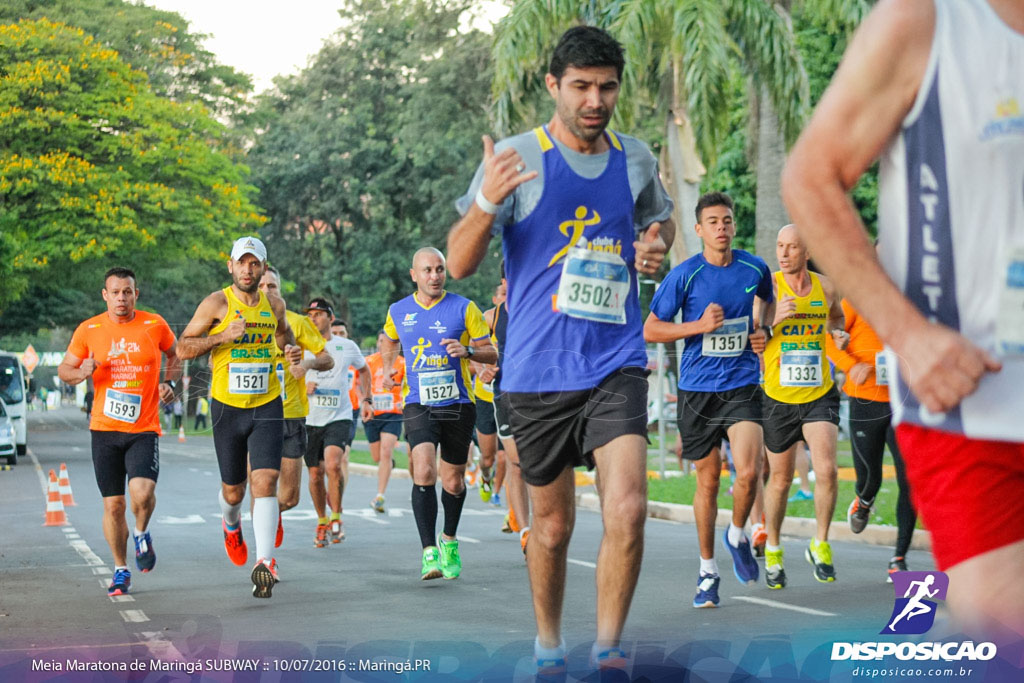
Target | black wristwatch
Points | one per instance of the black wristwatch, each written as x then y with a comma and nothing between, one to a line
171,383
469,352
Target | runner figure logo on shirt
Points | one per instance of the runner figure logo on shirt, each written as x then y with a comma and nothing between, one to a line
913,612
577,226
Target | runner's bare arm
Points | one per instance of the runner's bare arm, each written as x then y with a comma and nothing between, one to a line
657,330
762,328
388,353
74,370
469,237
872,92
172,373
365,392
321,361
836,317
194,341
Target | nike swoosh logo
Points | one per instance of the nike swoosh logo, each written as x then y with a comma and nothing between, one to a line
751,289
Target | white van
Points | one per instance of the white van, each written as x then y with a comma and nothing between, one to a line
13,391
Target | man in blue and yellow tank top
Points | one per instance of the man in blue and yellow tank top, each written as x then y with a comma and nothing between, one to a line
244,329
439,332
581,211
801,402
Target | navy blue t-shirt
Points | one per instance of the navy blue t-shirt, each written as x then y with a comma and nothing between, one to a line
722,360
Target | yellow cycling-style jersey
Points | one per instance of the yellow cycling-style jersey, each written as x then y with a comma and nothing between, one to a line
293,391
243,369
796,369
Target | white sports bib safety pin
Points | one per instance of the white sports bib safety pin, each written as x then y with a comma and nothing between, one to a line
594,285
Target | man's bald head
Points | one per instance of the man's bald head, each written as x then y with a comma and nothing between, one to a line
431,253
789,232
428,272
790,250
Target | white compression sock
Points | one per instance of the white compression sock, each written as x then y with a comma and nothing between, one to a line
264,525
232,513
735,535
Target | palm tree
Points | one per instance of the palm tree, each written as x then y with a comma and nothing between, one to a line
678,59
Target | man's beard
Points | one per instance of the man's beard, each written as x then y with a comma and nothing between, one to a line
255,285
572,121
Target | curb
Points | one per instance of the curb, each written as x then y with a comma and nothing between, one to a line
799,527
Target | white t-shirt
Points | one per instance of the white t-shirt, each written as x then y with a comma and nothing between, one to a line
330,401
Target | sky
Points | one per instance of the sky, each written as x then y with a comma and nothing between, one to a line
265,38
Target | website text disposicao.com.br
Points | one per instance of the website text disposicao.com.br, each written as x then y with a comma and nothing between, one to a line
911,672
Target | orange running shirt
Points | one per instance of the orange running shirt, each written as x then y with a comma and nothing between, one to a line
385,401
127,376
864,347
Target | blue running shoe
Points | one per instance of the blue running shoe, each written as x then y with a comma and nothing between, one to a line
145,556
707,590
801,495
744,566
121,582
496,500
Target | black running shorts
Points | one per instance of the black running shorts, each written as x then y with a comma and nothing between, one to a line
448,427
294,438
501,411
254,432
559,430
704,417
783,422
390,423
117,456
331,434
485,423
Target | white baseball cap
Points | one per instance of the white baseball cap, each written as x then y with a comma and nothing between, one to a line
248,245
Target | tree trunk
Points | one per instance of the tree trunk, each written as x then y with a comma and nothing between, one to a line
682,170
770,214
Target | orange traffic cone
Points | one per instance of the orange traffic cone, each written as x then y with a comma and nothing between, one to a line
54,508
181,433
66,497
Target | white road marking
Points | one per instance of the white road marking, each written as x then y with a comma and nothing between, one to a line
43,481
187,519
582,563
781,605
101,571
71,537
467,539
121,598
134,615
83,549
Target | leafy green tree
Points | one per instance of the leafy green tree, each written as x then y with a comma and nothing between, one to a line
155,41
95,167
678,61
361,155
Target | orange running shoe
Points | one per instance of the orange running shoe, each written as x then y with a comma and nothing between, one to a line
523,538
321,535
337,532
234,544
280,532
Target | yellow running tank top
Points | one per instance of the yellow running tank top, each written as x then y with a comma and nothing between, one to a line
243,369
796,369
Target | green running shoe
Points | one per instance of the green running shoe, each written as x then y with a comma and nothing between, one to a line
819,555
774,574
451,563
431,568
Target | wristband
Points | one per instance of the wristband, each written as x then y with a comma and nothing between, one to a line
486,205
171,383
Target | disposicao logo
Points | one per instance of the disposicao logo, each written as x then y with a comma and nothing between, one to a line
913,614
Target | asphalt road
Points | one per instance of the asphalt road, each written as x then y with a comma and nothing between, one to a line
362,599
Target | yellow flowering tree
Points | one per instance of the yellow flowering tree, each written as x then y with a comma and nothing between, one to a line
96,168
